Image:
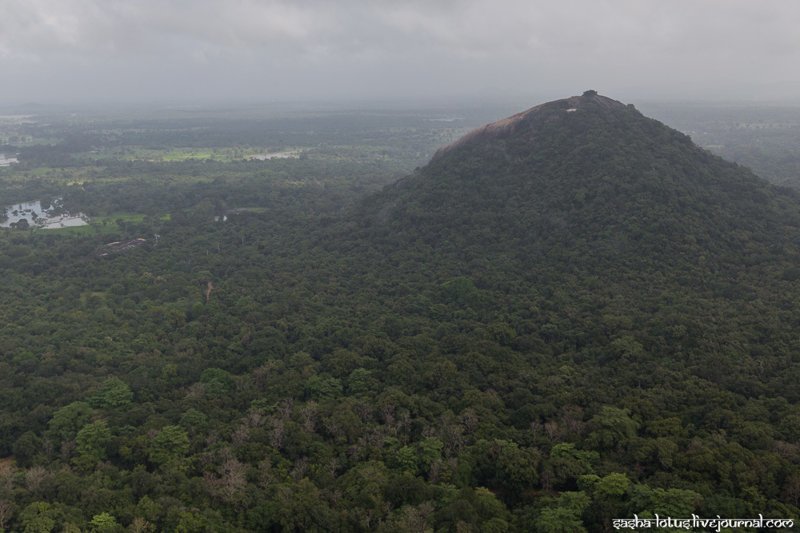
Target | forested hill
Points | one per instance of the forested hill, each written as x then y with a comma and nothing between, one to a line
590,176
602,263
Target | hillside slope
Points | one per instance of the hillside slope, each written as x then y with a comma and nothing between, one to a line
589,175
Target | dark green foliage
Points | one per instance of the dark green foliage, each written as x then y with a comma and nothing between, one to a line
578,318
113,394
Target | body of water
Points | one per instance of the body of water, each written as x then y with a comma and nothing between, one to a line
7,160
53,217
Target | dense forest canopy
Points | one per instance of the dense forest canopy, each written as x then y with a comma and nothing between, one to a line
569,316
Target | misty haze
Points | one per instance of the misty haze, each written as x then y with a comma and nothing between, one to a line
457,266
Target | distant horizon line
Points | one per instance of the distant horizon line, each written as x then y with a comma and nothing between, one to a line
242,104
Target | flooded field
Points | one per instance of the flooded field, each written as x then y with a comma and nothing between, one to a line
7,160
33,214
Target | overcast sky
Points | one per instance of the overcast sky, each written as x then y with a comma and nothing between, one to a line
329,50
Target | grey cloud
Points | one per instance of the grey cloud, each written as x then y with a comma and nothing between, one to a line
321,49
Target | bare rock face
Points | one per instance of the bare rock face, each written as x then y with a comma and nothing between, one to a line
526,120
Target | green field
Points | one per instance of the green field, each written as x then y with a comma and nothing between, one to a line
178,154
103,225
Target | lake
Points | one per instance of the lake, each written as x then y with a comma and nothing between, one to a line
7,160
51,218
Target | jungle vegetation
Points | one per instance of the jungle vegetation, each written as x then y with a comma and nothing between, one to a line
578,317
